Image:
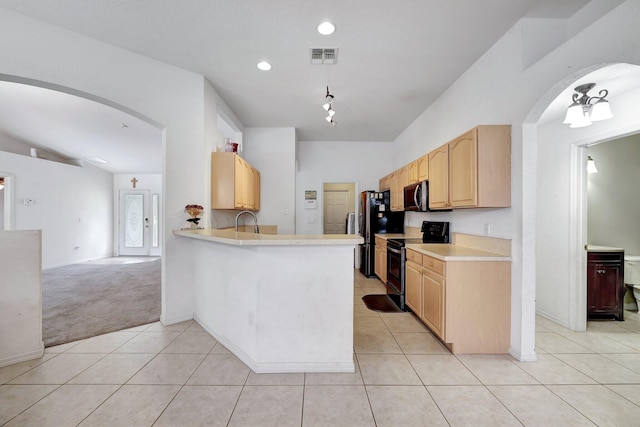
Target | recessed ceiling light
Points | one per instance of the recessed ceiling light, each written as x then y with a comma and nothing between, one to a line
326,28
97,160
264,66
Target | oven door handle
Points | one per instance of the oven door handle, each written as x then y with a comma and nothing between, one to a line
395,251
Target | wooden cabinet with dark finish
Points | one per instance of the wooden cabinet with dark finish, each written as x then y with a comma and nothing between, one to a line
605,285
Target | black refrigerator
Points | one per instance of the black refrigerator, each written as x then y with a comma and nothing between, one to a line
375,216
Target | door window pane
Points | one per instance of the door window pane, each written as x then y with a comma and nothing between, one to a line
155,228
134,221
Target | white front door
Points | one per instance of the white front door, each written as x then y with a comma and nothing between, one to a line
134,222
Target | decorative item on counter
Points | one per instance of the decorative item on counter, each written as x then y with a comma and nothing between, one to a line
230,147
194,211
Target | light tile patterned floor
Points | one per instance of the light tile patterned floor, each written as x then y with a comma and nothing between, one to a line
180,376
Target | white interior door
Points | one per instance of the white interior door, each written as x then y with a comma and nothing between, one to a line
336,207
135,222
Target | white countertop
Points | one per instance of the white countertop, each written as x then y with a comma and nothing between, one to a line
448,252
232,237
451,252
596,248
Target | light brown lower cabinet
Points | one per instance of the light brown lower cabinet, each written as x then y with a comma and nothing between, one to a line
467,304
433,302
413,286
380,266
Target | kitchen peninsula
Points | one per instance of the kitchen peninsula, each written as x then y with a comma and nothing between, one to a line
280,303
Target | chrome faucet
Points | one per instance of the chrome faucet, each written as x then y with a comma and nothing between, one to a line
256,229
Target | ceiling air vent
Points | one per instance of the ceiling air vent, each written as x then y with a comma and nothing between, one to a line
324,55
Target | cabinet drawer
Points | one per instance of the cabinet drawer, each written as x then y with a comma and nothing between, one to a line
433,264
414,256
605,256
380,242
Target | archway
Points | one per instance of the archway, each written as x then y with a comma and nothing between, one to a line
554,218
55,185
59,125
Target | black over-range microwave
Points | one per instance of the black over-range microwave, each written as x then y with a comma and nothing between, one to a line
416,197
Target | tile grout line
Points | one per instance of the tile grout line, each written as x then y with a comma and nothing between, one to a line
186,381
59,386
412,367
121,386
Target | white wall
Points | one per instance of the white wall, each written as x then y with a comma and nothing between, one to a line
614,195
552,225
73,206
273,152
219,123
362,163
2,209
172,97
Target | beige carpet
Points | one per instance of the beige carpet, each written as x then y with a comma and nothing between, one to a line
89,299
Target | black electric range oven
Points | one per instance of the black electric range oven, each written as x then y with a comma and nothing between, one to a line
433,232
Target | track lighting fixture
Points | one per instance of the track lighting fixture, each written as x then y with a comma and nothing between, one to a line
585,109
328,108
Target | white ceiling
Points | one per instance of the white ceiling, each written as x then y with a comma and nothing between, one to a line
78,128
394,60
616,79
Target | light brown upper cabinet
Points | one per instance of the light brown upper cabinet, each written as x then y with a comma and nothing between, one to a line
473,170
412,177
255,194
399,180
403,179
397,203
439,178
423,168
384,183
235,184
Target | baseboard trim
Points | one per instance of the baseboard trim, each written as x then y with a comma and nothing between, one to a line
555,319
175,319
279,368
77,261
523,357
17,358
